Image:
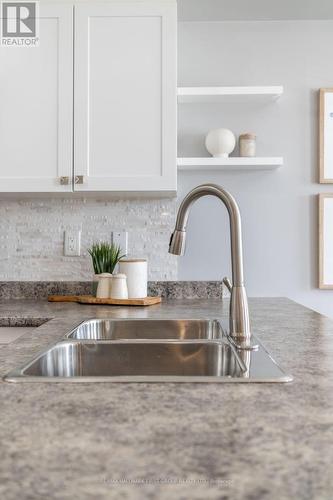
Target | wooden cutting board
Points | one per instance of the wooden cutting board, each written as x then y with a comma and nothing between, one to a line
89,299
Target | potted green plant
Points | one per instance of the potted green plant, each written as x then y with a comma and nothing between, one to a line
105,256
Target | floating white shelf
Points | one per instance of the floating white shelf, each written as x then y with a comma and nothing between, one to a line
231,163
216,94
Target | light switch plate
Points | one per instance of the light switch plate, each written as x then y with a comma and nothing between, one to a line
72,243
120,238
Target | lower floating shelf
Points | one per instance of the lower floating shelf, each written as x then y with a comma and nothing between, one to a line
231,163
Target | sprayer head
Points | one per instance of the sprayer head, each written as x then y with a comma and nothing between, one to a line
177,242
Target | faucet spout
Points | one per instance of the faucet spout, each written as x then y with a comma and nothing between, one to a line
239,313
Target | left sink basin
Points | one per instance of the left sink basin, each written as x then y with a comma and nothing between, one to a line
133,361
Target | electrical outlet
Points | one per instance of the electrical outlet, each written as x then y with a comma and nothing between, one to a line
72,243
120,238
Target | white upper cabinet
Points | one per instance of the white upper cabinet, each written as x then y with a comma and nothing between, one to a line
125,95
93,107
36,103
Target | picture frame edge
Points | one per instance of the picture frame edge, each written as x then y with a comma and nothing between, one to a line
322,92
321,198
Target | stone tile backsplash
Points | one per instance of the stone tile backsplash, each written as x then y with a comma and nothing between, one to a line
40,290
32,235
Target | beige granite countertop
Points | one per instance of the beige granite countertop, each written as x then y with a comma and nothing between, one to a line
170,441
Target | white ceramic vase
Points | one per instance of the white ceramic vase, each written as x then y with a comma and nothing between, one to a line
220,142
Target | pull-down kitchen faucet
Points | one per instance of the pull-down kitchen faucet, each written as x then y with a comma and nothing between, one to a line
239,314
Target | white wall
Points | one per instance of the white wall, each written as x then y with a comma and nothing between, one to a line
253,10
279,208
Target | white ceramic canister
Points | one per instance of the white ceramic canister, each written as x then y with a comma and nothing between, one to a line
247,145
118,288
136,272
103,287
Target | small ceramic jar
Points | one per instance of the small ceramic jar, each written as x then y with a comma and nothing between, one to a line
118,289
136,272
247,145
103,287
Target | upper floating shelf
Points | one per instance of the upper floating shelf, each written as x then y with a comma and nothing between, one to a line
222,94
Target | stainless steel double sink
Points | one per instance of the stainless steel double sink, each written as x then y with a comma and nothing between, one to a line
152,350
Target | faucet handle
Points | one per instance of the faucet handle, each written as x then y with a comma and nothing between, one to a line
227,283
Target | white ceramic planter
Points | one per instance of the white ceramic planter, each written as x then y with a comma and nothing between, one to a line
103,288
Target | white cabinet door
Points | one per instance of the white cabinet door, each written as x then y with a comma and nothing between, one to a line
125,96
36,107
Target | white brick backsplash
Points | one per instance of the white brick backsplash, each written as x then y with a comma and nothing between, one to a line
32,234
